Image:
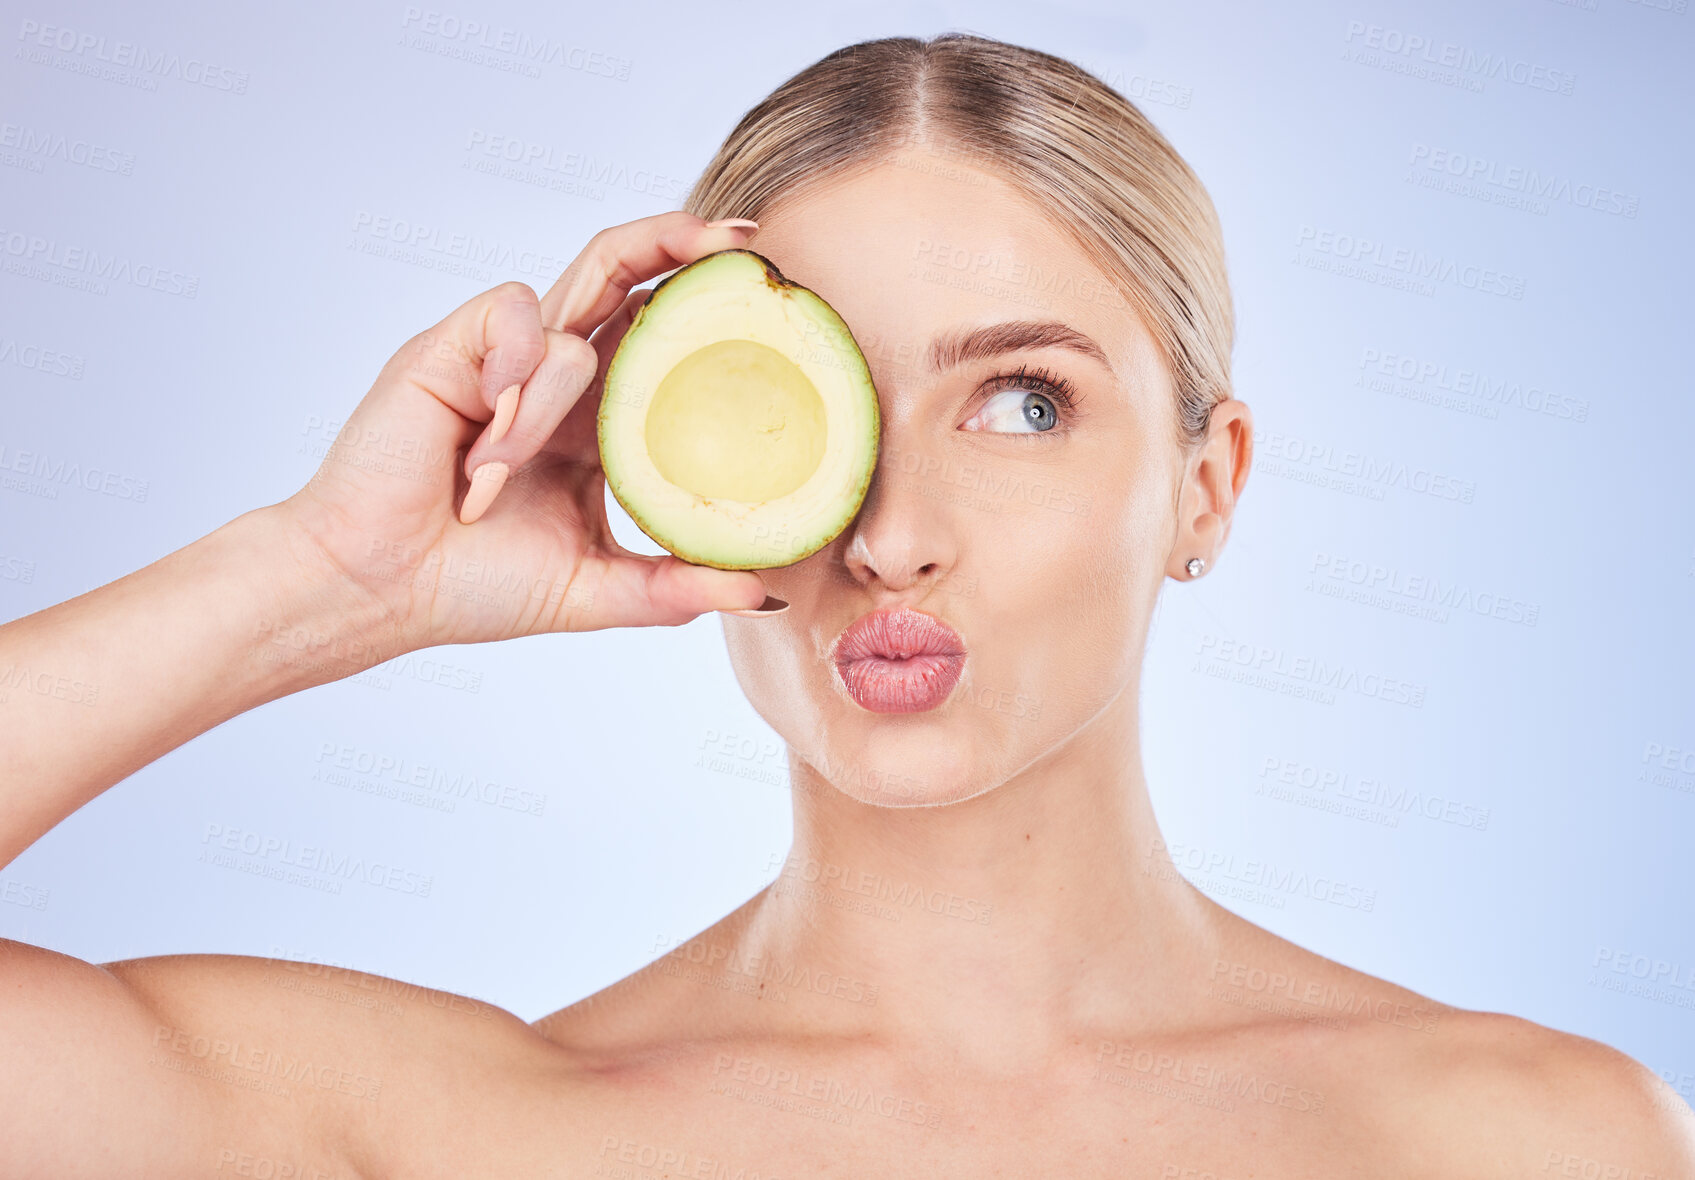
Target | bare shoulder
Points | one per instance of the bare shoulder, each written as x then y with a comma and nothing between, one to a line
1467,1092
1504,1093
372,1074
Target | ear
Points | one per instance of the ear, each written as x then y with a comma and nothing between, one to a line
1213,480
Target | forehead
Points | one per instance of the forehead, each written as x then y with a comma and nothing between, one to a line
925,243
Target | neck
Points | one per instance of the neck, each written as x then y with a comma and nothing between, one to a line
1040,912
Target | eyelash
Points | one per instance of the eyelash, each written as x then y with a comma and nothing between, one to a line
1051,385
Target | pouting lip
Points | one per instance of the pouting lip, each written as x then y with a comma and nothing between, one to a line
896,633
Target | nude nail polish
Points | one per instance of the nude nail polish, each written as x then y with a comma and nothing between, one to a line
771,606
732,223
505,409
486,482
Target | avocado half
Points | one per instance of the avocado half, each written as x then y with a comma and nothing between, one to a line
739,425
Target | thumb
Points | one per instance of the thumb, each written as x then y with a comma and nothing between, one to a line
701,588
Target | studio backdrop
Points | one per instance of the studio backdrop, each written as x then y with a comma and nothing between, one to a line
1431,715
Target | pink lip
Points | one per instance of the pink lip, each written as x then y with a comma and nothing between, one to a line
899,661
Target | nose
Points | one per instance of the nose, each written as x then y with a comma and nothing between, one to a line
903,538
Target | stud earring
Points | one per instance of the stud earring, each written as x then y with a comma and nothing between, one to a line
1195,566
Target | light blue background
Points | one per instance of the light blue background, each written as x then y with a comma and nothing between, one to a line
218,403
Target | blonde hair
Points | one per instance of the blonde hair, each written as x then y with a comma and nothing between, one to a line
1049,128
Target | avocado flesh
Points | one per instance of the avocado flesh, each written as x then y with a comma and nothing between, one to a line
739,425
736,420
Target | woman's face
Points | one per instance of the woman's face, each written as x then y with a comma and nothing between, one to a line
1039,531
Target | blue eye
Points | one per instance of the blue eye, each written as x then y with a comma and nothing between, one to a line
1019,411
1026,402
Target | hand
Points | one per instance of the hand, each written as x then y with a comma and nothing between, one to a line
395,513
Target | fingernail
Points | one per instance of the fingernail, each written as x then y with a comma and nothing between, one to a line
486,482
771,606
505,409
732,223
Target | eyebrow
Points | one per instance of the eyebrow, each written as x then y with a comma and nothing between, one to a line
971,344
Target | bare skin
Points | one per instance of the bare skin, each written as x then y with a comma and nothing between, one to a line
979,959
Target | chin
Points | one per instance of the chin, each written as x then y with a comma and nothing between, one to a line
898,760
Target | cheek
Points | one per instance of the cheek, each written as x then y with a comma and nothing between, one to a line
774,663
1064,598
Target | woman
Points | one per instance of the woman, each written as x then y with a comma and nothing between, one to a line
1037,281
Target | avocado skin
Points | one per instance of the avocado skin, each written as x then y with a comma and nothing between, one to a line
777,282
773,277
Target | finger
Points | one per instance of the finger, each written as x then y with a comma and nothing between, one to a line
610,335
579,436
635,590
488,344
622,256
607,337
527,415
515,343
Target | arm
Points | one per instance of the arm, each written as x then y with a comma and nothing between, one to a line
184,1065
97,687
1498,1095
1603,1112
335,579
224,1065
